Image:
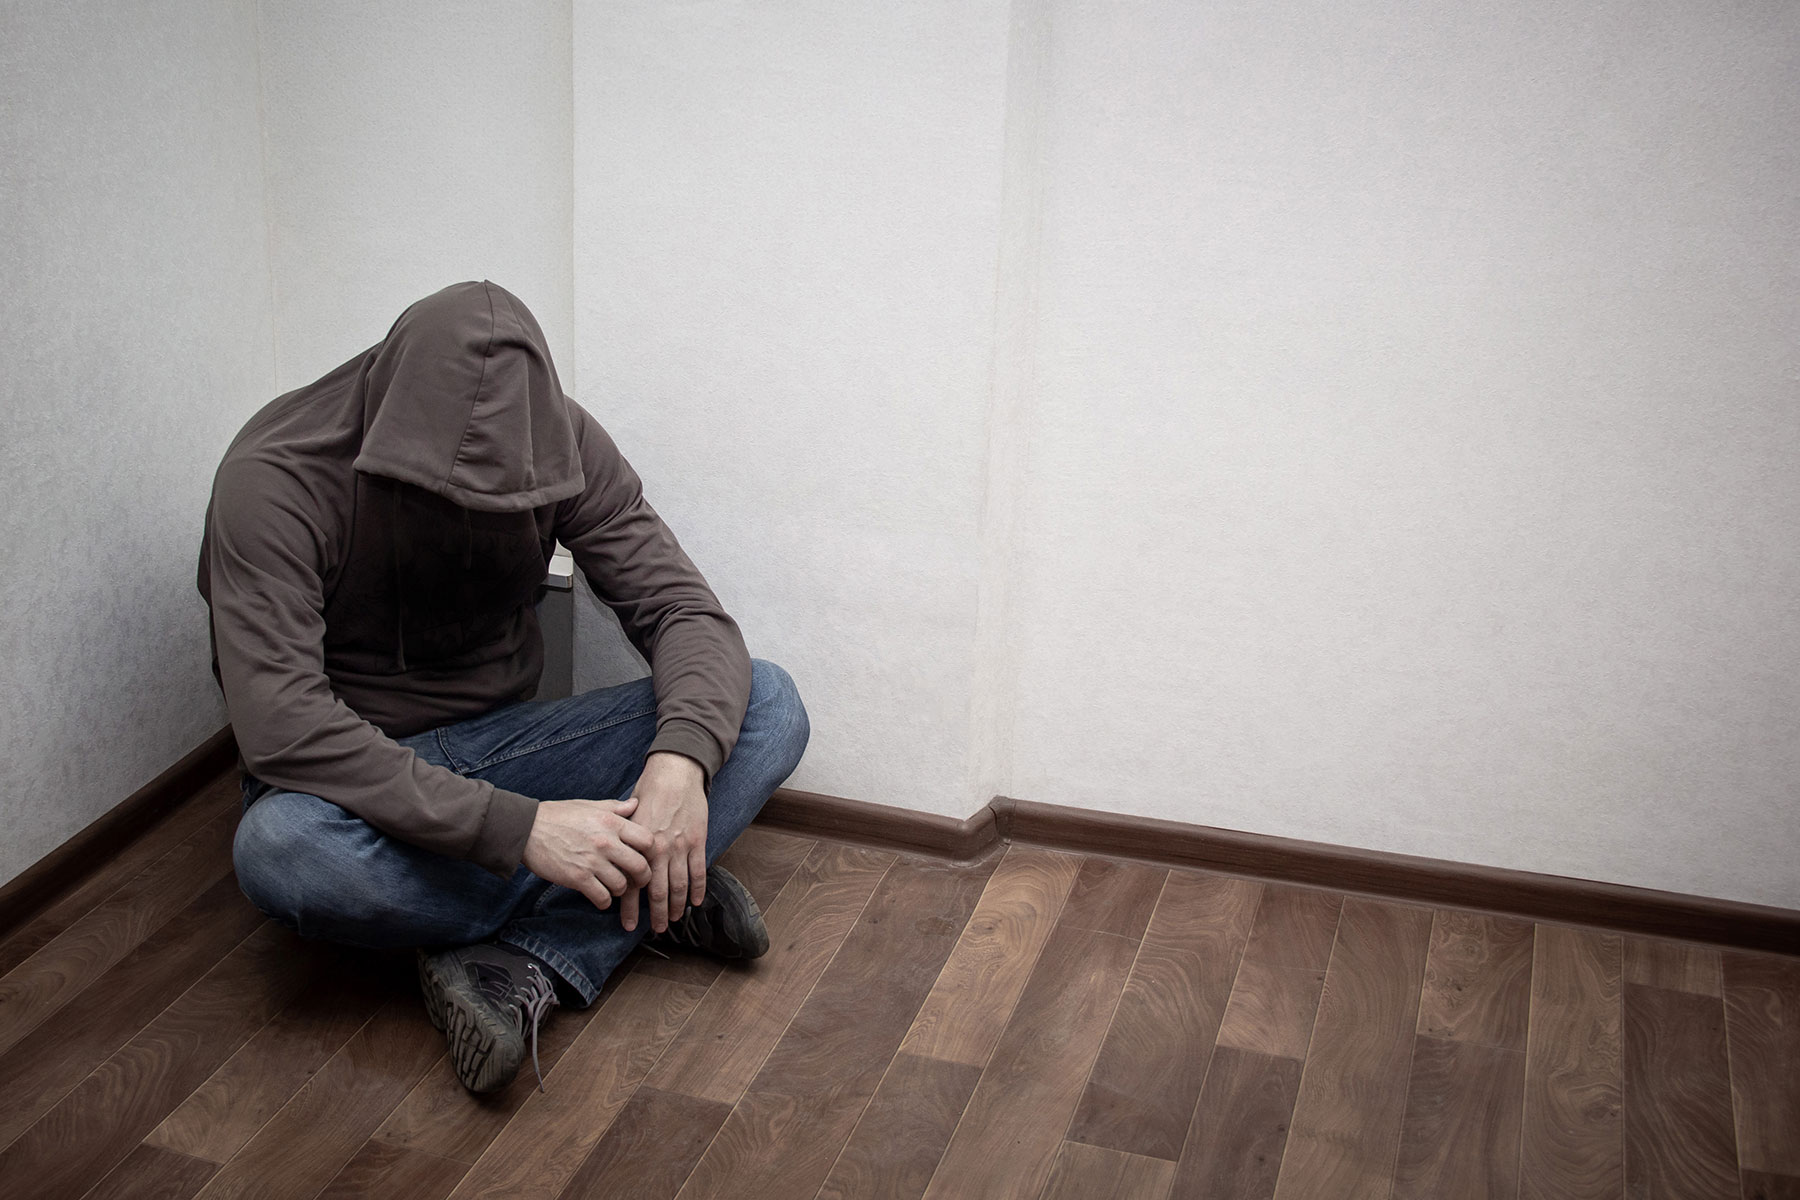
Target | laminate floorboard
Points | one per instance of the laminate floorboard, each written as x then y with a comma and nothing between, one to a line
1295,927
1037,1024
81,1034
974,996
1272,1010
343,990
1346,1125
1014,1122
1679,1140
1460,1135
1477,979
303,1146
1572,1141
394,1173
151,1173
1762,1021
828,1063
1083,1172
96,1125
903,1131
649,1149
1762,1185
746,1011
1239,1132
1142,1089
440,1118
101,937
543,1146
182,822
1675,966
1114,896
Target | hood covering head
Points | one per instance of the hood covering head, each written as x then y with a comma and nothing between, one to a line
461,399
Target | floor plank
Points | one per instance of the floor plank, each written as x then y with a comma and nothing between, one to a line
97,1124
542,1148
1272,1009
182,822
968,1007
1240,1127
1572,1137
82,953
305,1145
343,991
1460,1135
747,1010
1144,1083
1010,1132
828,1063
1346,1125
1762,1185
903,1131
1083,1172
649,1149
394,1173
1477,979
441,1118
1295,927
1679,1140
1677,966
1113,895
152,1173
83,1033
1762,1020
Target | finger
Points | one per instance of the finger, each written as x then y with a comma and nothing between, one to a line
611,878
624,807
636,836
659,894
628,909
697,874
678,883
592,889
634,865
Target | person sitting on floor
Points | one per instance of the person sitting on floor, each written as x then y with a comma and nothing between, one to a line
371,557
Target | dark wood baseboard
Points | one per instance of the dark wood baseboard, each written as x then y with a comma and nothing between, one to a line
1315,864
66,866
882,825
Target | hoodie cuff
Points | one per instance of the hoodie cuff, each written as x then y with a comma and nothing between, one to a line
501,843
681,736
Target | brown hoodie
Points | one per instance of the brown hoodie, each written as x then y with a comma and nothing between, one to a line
373,549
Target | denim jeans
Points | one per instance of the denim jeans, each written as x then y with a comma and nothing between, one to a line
328,874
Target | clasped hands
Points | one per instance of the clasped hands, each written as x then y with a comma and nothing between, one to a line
652,843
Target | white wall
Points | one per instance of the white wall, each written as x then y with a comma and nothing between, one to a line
1414,456
784,255
138,326
411,146
1369,422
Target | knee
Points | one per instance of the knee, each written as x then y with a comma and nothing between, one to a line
266,854
776,713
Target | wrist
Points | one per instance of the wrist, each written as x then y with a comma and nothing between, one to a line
667,768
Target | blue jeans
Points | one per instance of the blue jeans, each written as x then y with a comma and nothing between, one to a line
328,874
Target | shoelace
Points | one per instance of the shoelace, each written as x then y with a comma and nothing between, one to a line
533,998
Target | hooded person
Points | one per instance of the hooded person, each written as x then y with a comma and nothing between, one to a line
372,556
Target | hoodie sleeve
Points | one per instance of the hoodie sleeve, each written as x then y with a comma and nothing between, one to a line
265,558
698,664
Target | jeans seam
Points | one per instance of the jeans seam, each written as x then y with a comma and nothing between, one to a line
444,746
558,740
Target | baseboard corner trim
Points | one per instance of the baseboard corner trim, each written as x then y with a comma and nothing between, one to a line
1402,877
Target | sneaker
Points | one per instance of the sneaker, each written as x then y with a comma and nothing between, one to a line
484,999
727,924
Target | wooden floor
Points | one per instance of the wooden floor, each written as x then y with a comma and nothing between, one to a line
1038,1024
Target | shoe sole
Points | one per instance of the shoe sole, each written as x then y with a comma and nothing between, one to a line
481,1045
